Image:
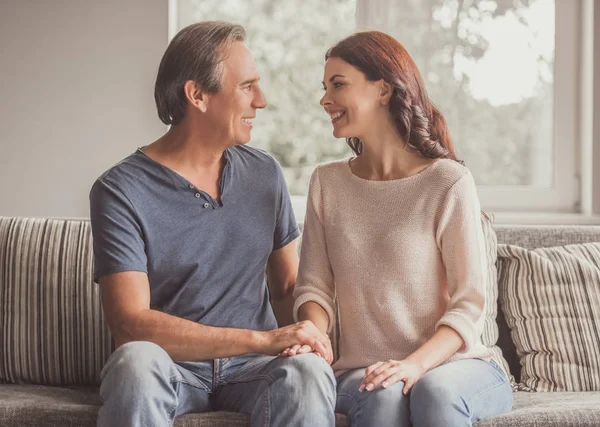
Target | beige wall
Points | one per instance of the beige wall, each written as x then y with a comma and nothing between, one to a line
76,95
596,131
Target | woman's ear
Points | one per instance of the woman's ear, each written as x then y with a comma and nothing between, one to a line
195,96
385,92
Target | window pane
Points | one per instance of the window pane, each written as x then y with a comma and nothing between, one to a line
488,65
288,41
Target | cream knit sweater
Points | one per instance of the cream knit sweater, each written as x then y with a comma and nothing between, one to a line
403,257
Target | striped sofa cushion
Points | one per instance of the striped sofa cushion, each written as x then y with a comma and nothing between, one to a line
52,328
551,300
489,337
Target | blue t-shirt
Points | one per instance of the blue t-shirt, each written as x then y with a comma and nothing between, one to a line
205,259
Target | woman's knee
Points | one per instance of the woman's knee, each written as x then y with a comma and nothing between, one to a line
381,406
432,392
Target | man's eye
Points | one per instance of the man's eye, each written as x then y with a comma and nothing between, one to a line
336,85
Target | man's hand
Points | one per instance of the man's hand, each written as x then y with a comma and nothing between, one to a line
303,334
390,372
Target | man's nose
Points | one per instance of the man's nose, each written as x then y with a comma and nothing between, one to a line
259,99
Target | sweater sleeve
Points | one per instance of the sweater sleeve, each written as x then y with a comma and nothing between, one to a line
315,278
460,239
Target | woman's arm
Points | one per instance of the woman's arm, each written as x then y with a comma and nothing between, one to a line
312,311
442,345
314,289
315,283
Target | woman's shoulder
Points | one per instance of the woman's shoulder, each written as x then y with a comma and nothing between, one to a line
331,169
448,172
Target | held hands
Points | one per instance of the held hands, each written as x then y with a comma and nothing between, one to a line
303,337
302,349
385,374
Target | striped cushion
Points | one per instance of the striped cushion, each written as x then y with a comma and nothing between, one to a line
489,337
551,300
52,328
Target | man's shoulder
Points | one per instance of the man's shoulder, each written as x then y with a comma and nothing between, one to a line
250,153
254,161
123,169
123,174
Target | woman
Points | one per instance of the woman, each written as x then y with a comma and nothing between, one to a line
395,234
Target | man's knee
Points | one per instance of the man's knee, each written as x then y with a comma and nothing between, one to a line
138,362
304,372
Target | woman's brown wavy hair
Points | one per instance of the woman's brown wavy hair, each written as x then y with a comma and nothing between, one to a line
420,124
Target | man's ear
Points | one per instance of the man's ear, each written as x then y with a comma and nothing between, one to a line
385,92
195,96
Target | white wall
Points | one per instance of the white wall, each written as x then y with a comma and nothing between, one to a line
76,96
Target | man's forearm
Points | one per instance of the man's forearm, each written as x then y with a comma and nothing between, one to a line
185,340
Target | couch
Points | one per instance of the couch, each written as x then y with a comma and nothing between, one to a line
54,338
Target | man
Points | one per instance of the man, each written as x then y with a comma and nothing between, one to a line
184,231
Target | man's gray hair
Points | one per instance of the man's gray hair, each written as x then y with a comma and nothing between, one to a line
196,53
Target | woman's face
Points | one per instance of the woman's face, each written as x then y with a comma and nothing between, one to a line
353,102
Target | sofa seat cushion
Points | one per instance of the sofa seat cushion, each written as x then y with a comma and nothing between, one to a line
77,406
44,406
551,409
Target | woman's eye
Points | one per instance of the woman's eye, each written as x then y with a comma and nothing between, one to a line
336,85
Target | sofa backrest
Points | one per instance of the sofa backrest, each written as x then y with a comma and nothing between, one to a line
52,328
531,237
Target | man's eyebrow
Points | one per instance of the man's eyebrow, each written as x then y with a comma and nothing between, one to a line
333,77
250,81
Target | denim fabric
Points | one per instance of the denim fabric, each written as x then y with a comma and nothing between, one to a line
143,387
456,394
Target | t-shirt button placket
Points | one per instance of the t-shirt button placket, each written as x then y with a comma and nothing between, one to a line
206,205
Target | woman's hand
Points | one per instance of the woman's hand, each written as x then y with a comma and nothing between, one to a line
303,349
390,372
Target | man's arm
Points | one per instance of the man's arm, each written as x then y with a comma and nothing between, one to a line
126,303
282,270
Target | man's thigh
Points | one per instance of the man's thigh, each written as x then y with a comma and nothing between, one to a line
248,388
192,384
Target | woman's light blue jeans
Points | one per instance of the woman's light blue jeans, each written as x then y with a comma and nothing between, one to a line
143,387
456,394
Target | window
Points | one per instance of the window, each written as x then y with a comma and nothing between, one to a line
504,73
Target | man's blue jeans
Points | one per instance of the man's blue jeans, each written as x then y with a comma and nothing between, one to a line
457,394
143,387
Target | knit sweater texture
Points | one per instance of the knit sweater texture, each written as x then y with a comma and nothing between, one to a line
394,260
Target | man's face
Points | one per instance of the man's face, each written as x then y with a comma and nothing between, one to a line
234,107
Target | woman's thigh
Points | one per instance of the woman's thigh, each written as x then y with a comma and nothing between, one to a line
380,407
460,393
